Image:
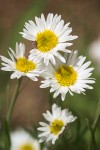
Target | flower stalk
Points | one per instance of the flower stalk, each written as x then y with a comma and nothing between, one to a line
94,127
13,101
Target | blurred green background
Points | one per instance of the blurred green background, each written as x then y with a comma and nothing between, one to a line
85,21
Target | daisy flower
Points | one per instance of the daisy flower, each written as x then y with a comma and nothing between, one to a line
20,65
94,53
50,36
73,76
21,140
58,120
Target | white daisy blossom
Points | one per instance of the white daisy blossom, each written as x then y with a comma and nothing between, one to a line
58,120
73,76
20,65
21,140
50,35
94,53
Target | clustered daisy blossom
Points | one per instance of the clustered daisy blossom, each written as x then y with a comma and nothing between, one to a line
58,120
21,65
73,76
50,36
63,71
21,140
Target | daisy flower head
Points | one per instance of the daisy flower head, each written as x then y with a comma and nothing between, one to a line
73,76
94,53
50,36
21,140
58,120
20,65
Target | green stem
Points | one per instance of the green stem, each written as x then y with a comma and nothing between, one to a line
13,101
93,128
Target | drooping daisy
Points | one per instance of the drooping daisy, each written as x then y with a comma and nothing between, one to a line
20,65
21,140
58,120
73,76
50,36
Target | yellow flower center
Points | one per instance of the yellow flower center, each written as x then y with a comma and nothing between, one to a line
27,147
46,40
56,126
66,75
24,65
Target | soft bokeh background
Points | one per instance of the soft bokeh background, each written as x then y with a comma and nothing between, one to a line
85,21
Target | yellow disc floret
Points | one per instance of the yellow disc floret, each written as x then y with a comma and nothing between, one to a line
66,75
25,65
56,126
26,147
46,40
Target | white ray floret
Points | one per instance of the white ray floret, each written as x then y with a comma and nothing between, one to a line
20,65
21,140
73,76
57,121
50,36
